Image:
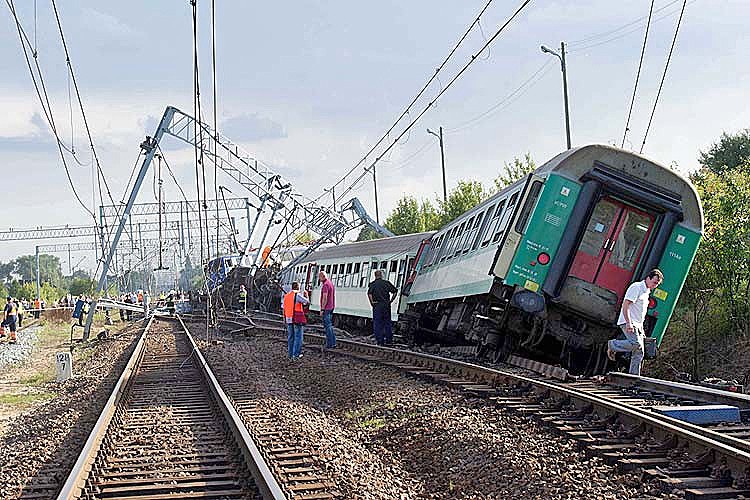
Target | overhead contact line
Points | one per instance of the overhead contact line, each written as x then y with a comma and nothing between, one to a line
638,74
664,75
413,101
473,58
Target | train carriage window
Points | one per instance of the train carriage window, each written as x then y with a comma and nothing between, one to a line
507,214
528,206
481,222
459,239
494,222
435,250
340,276
393,267
328,268
471,230
365,275
348,277
356,271
447,246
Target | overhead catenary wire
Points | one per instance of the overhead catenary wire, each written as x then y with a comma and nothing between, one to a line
44,101
664,75
366,171
413,101
592,45
527,84
590,38
638,74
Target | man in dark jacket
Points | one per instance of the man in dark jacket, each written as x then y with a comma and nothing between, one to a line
381,293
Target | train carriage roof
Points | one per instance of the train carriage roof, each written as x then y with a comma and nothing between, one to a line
365,249
576,162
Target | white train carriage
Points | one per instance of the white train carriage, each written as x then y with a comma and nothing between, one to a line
351,267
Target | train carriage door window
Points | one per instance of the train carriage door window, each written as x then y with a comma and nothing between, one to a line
401,273
393,267
625,250
523,219
612,245
600,227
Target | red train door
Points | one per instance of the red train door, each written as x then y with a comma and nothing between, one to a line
612,245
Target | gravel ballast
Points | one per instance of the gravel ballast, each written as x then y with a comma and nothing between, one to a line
41,445
382,434
13,354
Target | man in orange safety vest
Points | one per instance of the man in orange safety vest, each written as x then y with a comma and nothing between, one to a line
294,316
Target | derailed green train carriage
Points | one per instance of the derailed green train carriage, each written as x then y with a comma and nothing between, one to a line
568,240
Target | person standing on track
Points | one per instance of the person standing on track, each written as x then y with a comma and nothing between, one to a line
9,319
243,299
327,304
381,293
632,315
294,316
20,310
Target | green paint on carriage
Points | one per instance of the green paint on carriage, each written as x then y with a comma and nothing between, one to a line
548,221
675,264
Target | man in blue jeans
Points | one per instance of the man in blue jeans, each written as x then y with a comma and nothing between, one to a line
381,293
327,305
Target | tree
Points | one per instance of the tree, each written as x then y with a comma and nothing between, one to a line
25,268
519,168
81,286
466,195
723,259
730,152
302,238
405,218
368,233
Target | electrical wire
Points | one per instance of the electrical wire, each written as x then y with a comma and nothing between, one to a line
527,84
44,101
622,35
638,74
664,75
413,101
590,38
458,75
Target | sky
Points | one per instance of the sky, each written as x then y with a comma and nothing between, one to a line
309,86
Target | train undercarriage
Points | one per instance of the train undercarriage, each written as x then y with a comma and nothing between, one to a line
498,329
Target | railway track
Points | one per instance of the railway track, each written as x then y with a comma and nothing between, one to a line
614,419
169,431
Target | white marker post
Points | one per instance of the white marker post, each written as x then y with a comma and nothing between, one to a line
64,366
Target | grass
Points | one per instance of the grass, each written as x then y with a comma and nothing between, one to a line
25,399
38,379
374,423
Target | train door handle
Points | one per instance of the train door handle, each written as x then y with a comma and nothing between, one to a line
606,245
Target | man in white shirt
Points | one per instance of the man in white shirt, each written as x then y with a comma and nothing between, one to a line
632,315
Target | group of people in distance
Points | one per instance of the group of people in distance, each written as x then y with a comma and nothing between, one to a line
381,293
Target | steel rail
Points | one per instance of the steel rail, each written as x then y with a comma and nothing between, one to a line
736,452
264,478
77,478
76,481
